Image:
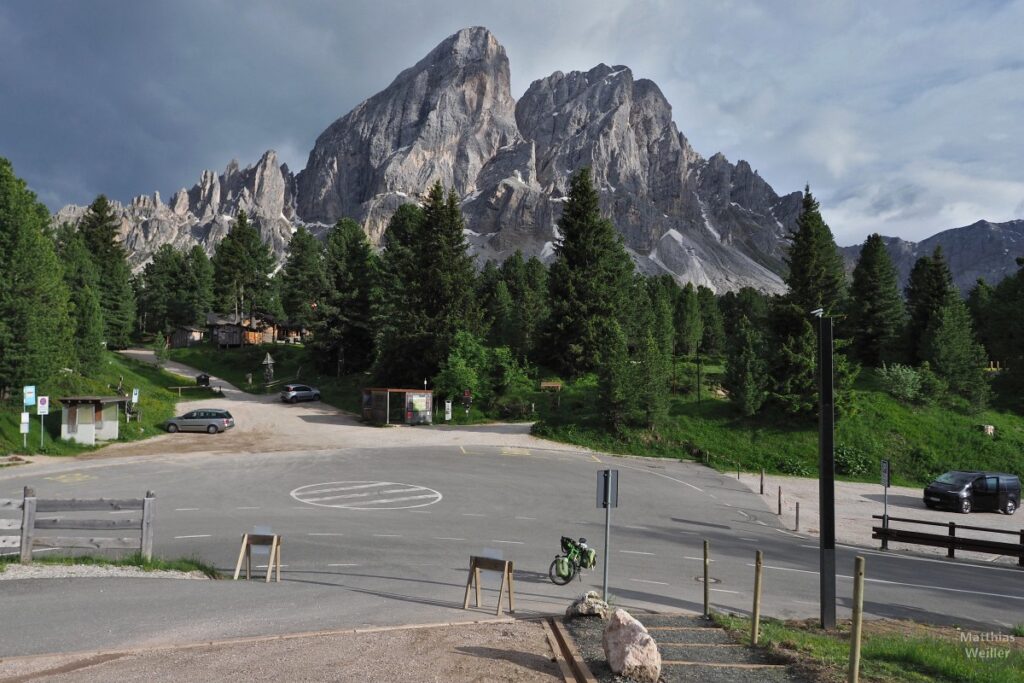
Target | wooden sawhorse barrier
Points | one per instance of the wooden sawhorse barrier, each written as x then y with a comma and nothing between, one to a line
248,541
489,564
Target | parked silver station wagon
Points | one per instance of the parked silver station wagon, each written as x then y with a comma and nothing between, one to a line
293,393
210,420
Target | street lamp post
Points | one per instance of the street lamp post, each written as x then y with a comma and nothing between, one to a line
826,471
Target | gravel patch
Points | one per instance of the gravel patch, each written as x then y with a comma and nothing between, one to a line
78,571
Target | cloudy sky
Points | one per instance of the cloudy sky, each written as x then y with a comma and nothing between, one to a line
906,117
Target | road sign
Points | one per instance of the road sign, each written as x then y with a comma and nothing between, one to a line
885,474
447,410
29,395
607,488
268,360
24,418
135,395
43,406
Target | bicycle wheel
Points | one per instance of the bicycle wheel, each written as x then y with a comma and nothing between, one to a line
560,580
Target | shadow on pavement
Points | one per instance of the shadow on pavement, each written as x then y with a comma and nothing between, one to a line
528,660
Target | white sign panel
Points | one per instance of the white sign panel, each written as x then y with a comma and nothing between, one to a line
447,410
885,473
24,418
29,394
43,406
135,395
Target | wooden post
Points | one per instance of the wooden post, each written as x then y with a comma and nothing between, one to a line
762,481
797,516
780,501
28,523
952,534
270,562
755,623
707,581
241,556
146,543
858,617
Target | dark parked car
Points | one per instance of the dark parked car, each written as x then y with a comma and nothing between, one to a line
211,420
293,393
967,491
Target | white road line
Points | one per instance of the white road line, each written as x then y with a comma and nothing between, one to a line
263,566
369,493
699,559
193,536
121,512
749,540
493,540
659,583
635,552
185,509
881,553
422,512
396,500
531,518
472,514
659,474
247,507
348,488
323,533
722,590
343,564
761,523
631,526
447,538
388,535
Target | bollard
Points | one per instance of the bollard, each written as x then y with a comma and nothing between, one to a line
797,516
755,623
762,481
707,582
780,501
858,617
737,470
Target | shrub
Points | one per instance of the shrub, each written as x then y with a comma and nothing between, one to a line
851,461
903,382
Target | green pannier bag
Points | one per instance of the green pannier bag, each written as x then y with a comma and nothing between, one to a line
590,558
562,567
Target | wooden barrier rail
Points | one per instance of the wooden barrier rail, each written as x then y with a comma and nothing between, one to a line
949,540
30,506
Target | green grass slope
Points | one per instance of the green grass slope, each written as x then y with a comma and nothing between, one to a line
156,402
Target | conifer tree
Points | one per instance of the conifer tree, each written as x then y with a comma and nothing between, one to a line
877,312
84,306
746,372
615,376
163,290
929,289
303,278
241,269
197,287
99,228
589,280
979,303
815,277
343,334
35,329
528,288
953,352
688,322
652,385
746,303
712,339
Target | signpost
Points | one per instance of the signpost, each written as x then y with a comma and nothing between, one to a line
135,395
607,498
24,431
29,395
447,410
886,480
42,410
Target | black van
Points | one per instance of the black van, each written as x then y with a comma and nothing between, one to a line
967,491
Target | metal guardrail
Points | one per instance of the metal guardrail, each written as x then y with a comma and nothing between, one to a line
949,540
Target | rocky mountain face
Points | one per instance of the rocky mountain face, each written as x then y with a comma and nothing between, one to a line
980,250
452,118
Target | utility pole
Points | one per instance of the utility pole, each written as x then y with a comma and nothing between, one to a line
826,472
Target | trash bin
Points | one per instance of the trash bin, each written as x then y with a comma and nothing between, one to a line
203,380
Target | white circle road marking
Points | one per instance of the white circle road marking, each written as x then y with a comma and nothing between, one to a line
366,495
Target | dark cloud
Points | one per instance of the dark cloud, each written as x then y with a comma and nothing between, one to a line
127,98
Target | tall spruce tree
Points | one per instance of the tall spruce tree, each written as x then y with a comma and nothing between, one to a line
35,329
528,289
589,281
746,372
163,290
746,303
241,269
979,303
343,333
615,376
712,340
303,278
928,290
877,313
99,227
815,277
84,309
950,347
198,286
688,322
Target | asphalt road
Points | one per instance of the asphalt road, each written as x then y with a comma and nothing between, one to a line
382,536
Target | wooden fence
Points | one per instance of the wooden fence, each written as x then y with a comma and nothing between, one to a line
950,541
30,524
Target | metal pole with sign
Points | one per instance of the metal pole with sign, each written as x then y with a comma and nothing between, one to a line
608,498
826,473
24,431
42,410
885,499
448,410
135,402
